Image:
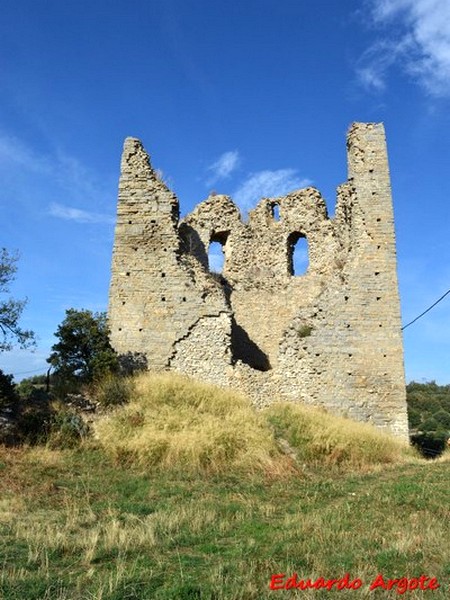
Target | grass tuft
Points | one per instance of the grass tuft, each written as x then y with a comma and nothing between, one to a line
113,390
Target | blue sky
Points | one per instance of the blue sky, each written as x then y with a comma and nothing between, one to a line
249,98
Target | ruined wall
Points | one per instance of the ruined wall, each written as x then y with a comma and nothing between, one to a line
331,337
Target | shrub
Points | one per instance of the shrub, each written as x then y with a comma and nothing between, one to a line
304,331
430,445
32,387
34,420
132,363
113,390
67,430
8,391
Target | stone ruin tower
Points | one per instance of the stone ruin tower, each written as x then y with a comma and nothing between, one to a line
331,337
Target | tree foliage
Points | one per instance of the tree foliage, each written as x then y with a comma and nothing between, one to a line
428,401
83,352
7,389
10,309
32,388
429,416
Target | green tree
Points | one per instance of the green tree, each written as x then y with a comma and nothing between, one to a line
11,310
83,352
8,392
32,387
414,418
443,419
429,425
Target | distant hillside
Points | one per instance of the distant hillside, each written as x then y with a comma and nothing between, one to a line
429,415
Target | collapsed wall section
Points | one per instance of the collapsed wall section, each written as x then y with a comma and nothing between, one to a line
330,337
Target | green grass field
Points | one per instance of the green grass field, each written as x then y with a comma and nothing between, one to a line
107,521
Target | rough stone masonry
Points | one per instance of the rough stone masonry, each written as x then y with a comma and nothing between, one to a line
331,337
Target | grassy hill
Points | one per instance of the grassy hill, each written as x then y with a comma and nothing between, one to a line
224,499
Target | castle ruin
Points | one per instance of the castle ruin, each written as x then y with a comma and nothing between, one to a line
331,337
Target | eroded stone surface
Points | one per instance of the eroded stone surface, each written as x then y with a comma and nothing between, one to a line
331,337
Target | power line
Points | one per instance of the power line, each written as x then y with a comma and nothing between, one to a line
425,311
35,371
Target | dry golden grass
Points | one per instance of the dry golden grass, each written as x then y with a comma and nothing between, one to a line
178,424
445,456
323,439
174,423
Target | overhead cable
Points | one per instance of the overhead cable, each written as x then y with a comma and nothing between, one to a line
425,311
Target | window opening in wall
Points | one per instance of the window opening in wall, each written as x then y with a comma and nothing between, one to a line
298,258
216,254
275,212
216,257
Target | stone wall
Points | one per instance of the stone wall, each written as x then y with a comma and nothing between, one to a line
331,337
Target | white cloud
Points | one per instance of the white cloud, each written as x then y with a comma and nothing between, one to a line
267,184
419,42
75,214
378,59
223,166
14,152
23,166
25,363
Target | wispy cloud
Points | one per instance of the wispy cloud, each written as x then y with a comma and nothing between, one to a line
417,39
69,213
14,152
267,184
373,67
223,166
56,171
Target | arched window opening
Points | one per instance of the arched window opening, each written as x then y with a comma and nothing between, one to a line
216,251
275,209
216,257
216,254
298,258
